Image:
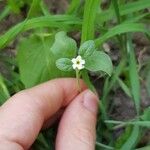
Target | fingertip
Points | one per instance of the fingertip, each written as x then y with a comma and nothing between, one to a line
78,123
90,101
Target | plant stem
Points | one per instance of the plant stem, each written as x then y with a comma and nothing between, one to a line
86,79
104,146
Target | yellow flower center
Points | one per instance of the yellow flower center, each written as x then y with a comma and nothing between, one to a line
78,62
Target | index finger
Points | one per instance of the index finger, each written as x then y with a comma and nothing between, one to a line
22,117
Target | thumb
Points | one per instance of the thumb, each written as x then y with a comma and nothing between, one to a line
77,129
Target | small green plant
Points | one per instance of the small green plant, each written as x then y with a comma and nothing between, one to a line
44,51
87,58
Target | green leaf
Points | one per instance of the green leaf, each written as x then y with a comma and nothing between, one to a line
64,64
64,46
34,58
37,58
146,114
87,49
99,61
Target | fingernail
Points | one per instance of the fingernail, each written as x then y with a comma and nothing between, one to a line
90,101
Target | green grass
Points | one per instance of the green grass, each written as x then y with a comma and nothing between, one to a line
117,23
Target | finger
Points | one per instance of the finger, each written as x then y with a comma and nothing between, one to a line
54,119
22,117
77,127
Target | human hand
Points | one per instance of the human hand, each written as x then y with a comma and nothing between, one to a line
24,114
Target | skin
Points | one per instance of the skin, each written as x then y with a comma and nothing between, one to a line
24,115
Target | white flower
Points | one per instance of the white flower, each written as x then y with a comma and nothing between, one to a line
78,63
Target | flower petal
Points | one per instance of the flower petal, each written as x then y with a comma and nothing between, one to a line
79,58
74,66
78,63
82,61
80,66
73,60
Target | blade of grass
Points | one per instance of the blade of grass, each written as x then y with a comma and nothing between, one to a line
119,21
73,6
133,74
41,143
122,123
122,28
131,141
14,6
117,12
128,139
124,10
34,8
144,148
4,93
3,87
106,147
115,122
141,123
109,84
44,8
90,11
56,21
124,87
138,18
133,137
4,13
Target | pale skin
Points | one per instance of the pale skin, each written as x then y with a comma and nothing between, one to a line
26,113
